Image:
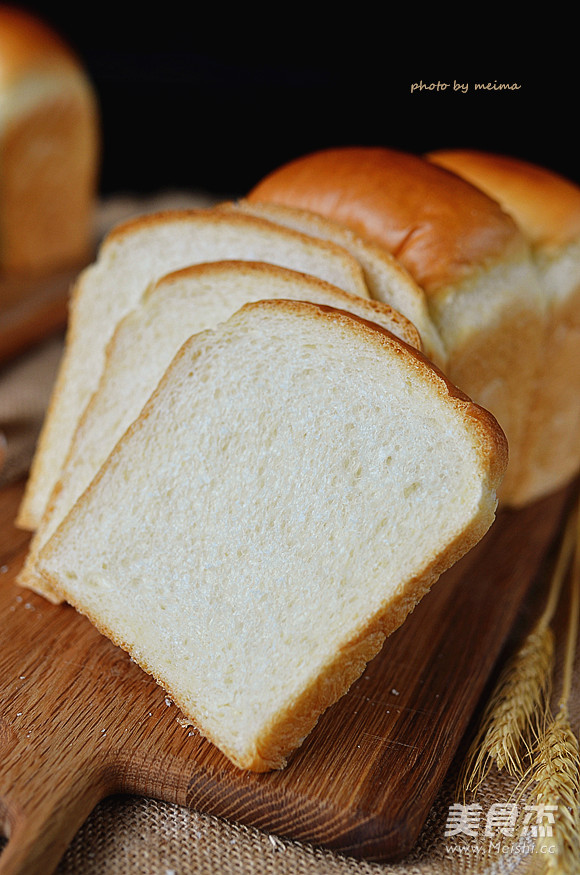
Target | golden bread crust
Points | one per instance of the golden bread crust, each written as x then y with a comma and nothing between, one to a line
28,44
546,207
49,150
544,204
441,228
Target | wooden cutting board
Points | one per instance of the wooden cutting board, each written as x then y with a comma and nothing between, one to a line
79,720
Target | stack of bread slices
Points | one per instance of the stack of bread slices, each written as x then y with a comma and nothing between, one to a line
276,425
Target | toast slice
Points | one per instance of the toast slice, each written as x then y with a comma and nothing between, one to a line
177,306
295,484
133,255
387,280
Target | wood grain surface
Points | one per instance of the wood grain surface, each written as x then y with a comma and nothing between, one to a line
31,309
79,720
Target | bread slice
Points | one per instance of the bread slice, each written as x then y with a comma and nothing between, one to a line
546,207
467,254
144,343
295,484
133,255
388,281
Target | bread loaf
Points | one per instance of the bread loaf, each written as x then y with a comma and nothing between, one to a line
144,343
546,208
295,484
133,255
49,148
473,264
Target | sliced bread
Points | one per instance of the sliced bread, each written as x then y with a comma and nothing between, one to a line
144,343
133,255
546,207
467,254
295,484
388,281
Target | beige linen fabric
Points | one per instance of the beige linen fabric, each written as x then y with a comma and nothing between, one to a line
146,837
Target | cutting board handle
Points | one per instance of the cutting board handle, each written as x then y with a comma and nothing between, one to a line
47,803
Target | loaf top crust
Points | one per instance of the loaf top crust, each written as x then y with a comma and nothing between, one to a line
27,44
441,228
544,204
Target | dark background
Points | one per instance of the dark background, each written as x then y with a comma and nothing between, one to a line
212,99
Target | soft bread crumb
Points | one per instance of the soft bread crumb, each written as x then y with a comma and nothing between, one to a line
311,479
134,255
177,306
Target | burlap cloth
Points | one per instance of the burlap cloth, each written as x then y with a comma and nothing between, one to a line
135,836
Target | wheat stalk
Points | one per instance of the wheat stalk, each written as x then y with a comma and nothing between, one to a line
511,719
556,778
555,769
511,711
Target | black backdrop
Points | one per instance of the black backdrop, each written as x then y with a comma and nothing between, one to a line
210,98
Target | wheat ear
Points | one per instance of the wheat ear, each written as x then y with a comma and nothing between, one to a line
555,769
520,696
